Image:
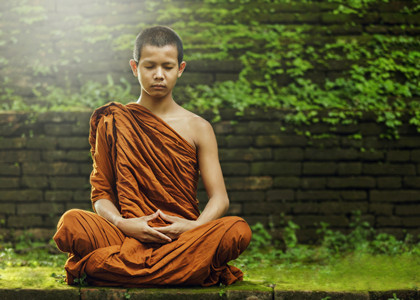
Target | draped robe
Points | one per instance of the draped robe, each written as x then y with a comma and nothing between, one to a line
141,165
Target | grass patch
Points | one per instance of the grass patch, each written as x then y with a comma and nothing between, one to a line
355,272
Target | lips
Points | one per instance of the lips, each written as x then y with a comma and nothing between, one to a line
158,86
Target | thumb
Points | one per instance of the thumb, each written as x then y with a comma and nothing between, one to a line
152,216
167,217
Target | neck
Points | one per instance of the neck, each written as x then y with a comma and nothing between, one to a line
157,106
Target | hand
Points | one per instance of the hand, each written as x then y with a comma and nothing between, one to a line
140,230
177,227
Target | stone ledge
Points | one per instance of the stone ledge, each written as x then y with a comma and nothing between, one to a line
245,290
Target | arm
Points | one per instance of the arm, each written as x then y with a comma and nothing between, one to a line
211,174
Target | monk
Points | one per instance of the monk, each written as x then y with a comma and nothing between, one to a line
147,229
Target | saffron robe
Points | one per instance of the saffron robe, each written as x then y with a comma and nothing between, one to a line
141,164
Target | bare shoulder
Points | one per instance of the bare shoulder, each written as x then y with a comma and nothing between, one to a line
199,128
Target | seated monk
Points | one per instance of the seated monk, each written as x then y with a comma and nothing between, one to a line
147,229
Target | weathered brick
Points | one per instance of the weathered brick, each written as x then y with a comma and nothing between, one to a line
398,156
24,221
248,183
63,168
235,209
412,182
317,195
392,221
315,220
275,168
7,208
9,182
395,196
35,182
254,196
19,156
353,195
21,195
389,169
408,210
280,195
233,141
415,155
235,168
373,155
338,207
43,143
381,209
319,168
76,183
288,154
39,209
351,182
314,183
12,143
408,142
58,129
68,143
252,220
280,140
85,168
331,154
36,168
324,143
250,154
63,156
9,169
411,221
306,208
264,208
59,196
225,127
350,168
82,195
389,182
367,129
286,182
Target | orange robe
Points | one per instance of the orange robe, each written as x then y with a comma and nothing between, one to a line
141,164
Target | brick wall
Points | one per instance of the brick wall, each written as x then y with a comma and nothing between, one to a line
270,171
68,42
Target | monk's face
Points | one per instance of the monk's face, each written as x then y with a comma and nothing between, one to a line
158,70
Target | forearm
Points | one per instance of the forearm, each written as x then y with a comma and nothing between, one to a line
106,209
215,208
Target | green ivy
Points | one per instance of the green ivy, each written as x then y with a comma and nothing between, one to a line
278,61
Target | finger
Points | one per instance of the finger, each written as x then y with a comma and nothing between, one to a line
158,235
151,217
166,217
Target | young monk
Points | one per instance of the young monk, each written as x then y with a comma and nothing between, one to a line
147,156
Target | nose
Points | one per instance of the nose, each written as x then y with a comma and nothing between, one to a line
158,74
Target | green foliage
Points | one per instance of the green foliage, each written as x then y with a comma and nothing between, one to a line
333,245
284,66
25,250
91,95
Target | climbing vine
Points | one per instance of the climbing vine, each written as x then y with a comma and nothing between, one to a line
304,67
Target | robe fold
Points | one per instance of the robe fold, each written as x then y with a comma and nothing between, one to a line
141,164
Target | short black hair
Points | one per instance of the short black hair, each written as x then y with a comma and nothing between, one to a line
158,36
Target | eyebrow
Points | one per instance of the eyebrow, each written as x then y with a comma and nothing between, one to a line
153,62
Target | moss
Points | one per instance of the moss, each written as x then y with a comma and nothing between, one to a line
352,273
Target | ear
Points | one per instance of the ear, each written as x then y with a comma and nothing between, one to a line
133,66
181,68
